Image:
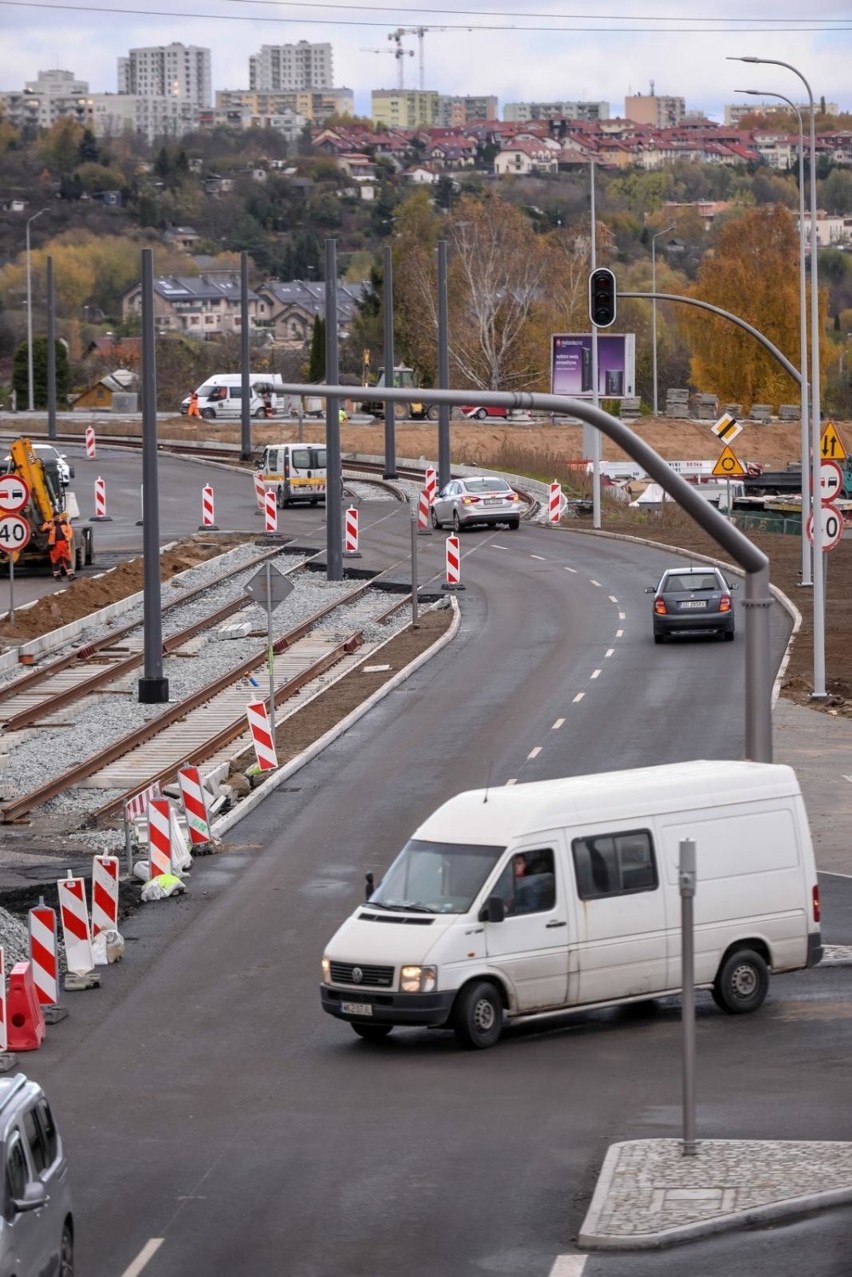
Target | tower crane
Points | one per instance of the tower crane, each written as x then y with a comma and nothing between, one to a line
399,53
420,33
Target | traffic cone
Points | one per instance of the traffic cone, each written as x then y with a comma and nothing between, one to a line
24,1016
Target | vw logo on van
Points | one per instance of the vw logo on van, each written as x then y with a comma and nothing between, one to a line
357,975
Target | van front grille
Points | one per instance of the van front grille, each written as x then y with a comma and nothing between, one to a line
370,977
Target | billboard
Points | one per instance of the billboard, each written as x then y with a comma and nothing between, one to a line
571,365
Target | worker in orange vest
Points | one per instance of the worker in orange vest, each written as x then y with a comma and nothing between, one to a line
192,410
60,537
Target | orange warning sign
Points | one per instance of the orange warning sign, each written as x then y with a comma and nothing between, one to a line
729,465
830,447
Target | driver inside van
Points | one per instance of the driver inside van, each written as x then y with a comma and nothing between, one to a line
527,883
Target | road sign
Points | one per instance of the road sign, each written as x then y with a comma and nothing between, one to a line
830,481
14,533
832,526
830,447
272,594
14,494
727,428
729,465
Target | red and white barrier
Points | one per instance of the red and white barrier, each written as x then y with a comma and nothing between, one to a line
44,953
264,745
453,581
91,452
270,511
159,837
208,518
351,539
138,804
104,894
75,925
4,1036
194,805
554,510
100,515
431,484
259,491
423,504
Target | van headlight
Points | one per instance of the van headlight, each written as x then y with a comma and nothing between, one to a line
418,979
326,970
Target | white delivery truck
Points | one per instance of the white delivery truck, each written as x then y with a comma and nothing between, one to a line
533,900
220,397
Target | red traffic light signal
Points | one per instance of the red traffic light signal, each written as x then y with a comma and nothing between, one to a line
602,297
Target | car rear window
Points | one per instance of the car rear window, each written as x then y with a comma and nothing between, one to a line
486,485
708,582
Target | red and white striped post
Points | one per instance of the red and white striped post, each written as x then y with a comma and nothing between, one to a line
351,540
104,894
264,745
91,451
194,805
259,492
138,804
431,484
453,581
75,925
208,518
100,515
554,509
159,837
4,1033
423,504
270,511
44,953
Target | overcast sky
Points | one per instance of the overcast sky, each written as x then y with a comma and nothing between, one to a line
587,51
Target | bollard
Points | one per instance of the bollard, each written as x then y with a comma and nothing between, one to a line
208,522
554,509
431,484
159,836
351,544
100,515
91,452
270,511
259,492
104,894
264,744
453,581
423,528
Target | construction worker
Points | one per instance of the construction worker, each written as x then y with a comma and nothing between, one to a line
60,537
342,418
192,410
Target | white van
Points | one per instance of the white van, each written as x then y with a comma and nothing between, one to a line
530,900
297,472
221,396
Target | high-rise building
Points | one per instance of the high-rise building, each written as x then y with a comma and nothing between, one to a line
659,113
454,112
522,112
291,67
404,108
180,71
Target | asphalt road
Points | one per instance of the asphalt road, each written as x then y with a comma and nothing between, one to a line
218,1122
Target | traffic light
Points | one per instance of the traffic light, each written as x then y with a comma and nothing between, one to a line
602,297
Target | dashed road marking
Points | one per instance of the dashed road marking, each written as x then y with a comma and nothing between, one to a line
574,570
513,780
568,1266
147,1252
594,582
613,599
609,651
578,697
534,753
540,557
619,633
622,616
557,724
595,673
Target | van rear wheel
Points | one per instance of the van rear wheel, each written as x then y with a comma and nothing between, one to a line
478,1017
742,982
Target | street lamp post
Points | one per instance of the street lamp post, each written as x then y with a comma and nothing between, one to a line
654,239
30,403
807,502
819,691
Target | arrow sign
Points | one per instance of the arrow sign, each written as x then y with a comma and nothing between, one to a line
727,428
729,465
830,447
830,481
268,590
14,494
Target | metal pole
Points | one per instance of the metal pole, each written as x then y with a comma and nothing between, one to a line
51,353
245,362
12,588
596,434
444,458
270,651
415,620
686,882
390,409
654,239
31,401
334,480
153,687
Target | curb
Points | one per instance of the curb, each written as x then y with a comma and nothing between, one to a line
257,795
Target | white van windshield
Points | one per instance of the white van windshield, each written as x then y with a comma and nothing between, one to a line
436,877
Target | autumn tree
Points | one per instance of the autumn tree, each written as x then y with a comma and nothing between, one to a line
754,273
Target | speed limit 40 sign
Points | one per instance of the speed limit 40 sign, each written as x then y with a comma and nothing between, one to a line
832,526
14,533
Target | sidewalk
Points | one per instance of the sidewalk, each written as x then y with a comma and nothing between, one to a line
648,1194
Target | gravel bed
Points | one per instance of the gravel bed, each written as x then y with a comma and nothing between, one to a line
15,939
364,491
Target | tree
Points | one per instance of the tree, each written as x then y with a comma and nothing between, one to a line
316,365
20,373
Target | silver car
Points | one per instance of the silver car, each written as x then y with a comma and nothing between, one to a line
36,1222
479,498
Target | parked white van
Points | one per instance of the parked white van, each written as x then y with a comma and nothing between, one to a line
531,900
297,472
221,396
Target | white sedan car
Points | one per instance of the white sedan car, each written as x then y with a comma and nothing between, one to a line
479,498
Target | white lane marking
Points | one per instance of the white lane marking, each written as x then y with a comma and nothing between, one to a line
557,724
619,633
622,616
512,781
849,778
540,557
594,582
609,651
613,599
147,1252
574,570
578,697
568,1266
534,753
595,674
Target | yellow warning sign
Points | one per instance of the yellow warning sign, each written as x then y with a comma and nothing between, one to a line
830,447
729,465
727,428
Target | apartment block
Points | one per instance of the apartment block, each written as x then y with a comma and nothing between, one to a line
146,115
658,112
404,108
525,112
291,67
736,111
315,106
454,112
175,70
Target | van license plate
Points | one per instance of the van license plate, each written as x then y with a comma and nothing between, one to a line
356,1008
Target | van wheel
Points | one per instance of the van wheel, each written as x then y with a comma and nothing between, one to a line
742,982
66,1258
209,414
478,1017
371,1032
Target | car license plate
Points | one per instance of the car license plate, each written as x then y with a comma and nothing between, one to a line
695,603
493,501
356,1008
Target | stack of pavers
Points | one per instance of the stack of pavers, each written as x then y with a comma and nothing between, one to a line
677,403
789,411
760,412
630,409
705,407
734,410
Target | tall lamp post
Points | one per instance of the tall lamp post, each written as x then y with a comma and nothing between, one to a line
654,239
807,503
30,403
819,691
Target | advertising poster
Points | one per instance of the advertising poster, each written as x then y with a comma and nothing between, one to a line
571,365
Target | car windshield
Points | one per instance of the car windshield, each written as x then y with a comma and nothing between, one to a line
673,584
486,485
436,877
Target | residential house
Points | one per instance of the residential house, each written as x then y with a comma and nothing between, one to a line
293,306
99,396
201,306
522,157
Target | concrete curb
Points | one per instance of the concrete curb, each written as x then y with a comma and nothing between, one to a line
263,791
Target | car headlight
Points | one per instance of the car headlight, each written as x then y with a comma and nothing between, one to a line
326,971
418,979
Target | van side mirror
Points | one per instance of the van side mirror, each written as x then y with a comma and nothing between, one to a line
368,888
494,910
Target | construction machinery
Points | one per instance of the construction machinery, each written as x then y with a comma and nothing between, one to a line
48,497
403,377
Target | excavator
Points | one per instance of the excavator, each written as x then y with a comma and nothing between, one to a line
48,497
402,377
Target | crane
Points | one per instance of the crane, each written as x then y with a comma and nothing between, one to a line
420,33
399,53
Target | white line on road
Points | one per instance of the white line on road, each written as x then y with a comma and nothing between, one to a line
578,697
513,780
622,616
595,674
613,599
557,724
574,570
594,582
609,651
147,1252
540,557
534,753
568,1266
619,633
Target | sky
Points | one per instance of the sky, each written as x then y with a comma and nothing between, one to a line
551,52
